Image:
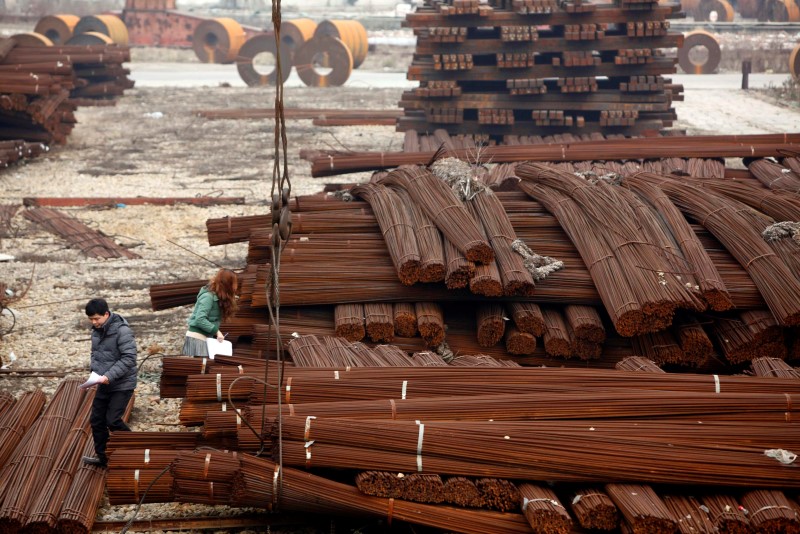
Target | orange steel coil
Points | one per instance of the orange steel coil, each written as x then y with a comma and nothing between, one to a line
110,25
723,8
783,11
794,62
262,44
57,28
295,33
699,38
324,51
351,33
218,40
31,39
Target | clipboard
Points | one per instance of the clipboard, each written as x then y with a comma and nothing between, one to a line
216,348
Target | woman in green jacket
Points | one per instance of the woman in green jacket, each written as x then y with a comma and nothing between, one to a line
215,302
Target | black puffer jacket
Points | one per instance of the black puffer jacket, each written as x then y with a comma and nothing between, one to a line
114,354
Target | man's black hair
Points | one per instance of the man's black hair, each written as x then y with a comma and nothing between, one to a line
96,307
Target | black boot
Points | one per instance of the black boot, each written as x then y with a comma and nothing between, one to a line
93,460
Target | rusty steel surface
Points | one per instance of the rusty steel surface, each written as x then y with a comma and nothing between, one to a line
160,28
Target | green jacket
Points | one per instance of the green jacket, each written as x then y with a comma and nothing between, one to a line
206,316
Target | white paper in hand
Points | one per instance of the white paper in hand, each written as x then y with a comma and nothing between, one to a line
93,380
224,348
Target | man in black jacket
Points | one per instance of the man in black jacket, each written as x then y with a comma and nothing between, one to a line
114,358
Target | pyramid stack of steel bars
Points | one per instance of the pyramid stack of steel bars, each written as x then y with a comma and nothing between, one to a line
516,67
40,88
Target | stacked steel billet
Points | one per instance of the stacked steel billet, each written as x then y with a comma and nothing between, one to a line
44,512
692,518
132,471
776,283
727,514
33,459
543,510
89,241
594,509
397,228
472,448
775,176
774,367
643,510
491,69
771,511
17,419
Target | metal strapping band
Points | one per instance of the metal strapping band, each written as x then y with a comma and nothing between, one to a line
307,432
405,388
389,511
219,387
211,491
238,418
308,454
347,369
291,409
336,375
146,456
275,486
136,485
241,370
224,406
394,409
419,445
783,506
788,407
288,389
206,464
716,384
203,369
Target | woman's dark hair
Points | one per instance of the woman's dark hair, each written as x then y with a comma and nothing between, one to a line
225,284
96,307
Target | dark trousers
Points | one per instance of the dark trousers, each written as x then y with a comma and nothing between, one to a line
107,410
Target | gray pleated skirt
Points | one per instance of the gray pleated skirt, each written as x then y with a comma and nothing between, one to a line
194,347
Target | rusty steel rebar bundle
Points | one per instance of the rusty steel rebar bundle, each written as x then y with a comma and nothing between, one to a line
770,510
16,420
534,454
27,469
44,511
432,266
778,286
732,146
775,176
543,510
445,210
642,508
727,514
773,367
405,319
90,242
349,320
744,338
594,509
691,516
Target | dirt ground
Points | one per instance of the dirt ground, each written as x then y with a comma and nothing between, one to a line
127,151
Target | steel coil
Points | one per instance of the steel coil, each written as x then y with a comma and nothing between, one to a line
295,33
31,39
783,11
691,7
57,28
218,40
90,38
351,33
722,8
246,60
794,62
748,9
327,51
703,39
106,24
